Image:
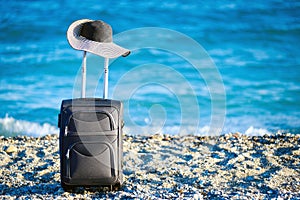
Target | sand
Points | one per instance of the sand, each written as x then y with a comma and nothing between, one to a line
232,166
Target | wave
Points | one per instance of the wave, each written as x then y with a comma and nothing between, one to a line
10,126
189,130
251,131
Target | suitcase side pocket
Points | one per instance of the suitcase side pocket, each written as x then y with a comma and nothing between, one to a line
89,159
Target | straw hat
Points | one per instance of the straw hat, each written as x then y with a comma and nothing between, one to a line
94,36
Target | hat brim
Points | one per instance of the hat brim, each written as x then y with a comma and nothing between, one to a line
104,49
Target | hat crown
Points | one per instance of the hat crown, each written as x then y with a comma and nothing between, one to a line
97,31
94,37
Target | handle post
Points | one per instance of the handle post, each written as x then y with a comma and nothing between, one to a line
105,78
83,75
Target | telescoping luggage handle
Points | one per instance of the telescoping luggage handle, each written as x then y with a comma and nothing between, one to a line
105,79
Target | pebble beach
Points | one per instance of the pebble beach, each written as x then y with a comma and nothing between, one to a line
231,166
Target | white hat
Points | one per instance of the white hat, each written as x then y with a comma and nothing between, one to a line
94,36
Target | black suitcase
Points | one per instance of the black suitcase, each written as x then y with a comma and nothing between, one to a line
90,142
90,138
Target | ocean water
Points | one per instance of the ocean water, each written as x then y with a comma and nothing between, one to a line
195,68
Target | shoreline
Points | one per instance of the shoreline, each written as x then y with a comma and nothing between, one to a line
164,166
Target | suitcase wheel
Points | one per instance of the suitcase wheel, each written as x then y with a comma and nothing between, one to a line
67,188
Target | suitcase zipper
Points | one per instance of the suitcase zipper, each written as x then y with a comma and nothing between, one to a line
68,163
68,154
66,130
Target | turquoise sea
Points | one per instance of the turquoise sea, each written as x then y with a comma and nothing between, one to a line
195,67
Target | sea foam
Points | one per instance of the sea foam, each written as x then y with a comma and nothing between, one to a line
10,126
252,131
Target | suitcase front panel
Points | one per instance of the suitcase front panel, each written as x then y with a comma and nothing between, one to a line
91,142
